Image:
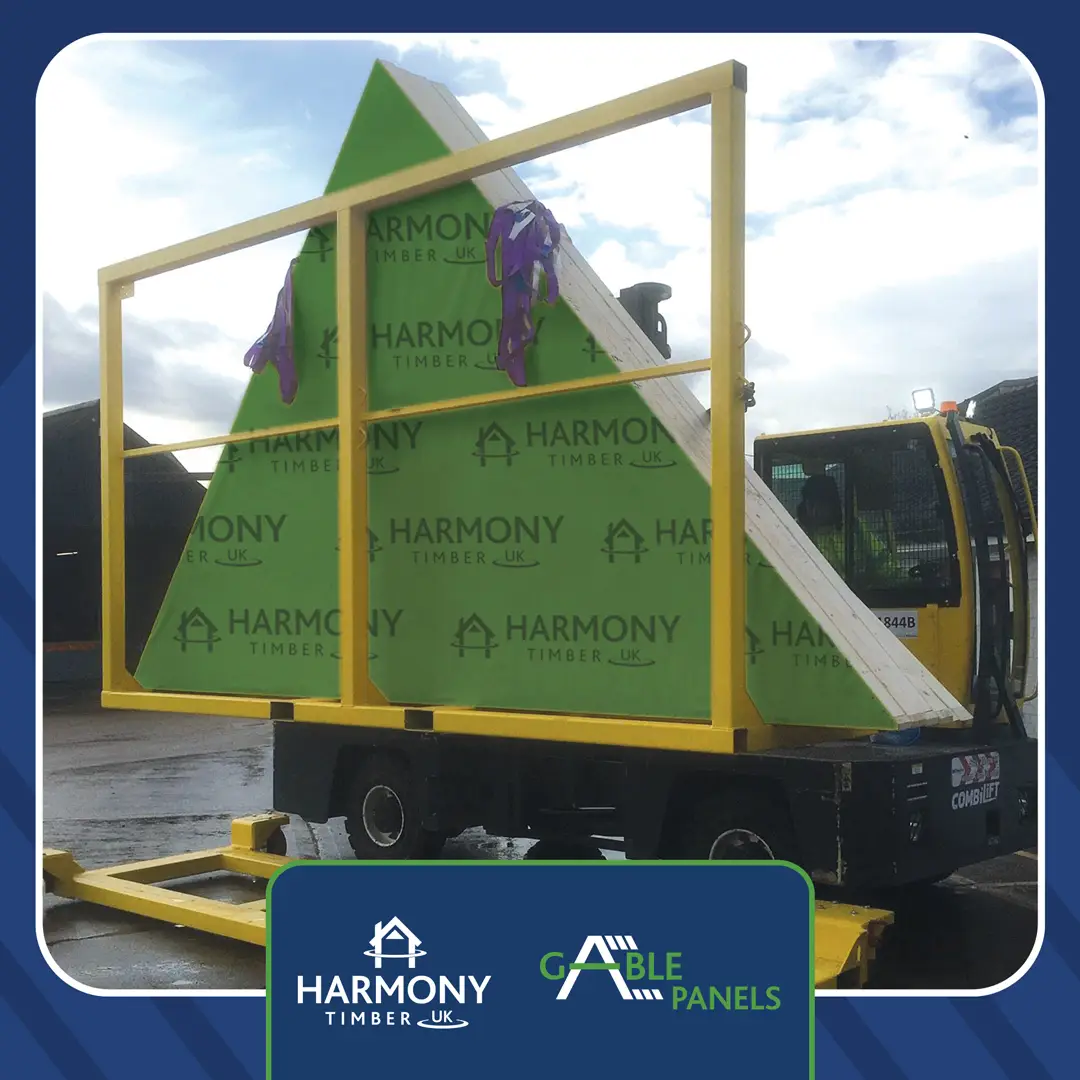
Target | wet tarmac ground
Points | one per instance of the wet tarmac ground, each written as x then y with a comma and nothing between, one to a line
121,786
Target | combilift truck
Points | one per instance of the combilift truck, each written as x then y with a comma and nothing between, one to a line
570,610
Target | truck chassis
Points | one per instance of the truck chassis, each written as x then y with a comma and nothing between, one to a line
851,812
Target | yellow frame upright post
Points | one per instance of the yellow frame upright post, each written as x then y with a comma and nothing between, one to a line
114,673
352,454
727,597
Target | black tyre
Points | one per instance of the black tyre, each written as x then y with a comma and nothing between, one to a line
383,816
277,843
740,824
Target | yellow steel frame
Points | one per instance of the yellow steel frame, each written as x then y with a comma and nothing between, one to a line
135,887
734,723
845,937
846,940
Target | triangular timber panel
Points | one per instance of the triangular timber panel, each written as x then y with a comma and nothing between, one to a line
547,555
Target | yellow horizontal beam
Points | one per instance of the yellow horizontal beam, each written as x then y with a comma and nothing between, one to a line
427,408
236,921
232,860
235,437
621,114
169,867
197,704
686,735
596,730
333,712
498,397
257,864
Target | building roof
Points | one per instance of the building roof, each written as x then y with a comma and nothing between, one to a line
161,493
1011,408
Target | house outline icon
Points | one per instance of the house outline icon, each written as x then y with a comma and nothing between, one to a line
230,457
755,647
473,624
494,434
623,530
395,932
196,619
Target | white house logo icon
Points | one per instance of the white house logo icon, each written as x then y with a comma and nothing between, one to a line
394,941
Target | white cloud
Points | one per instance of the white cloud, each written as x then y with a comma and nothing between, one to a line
888,211
120,177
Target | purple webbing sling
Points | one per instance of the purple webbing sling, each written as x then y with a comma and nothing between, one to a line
530,238
276,345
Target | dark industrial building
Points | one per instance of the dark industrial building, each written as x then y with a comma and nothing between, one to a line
162,500
1011,408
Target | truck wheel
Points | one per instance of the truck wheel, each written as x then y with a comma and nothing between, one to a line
741,824
383,818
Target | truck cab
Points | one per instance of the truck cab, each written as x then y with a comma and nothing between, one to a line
931,525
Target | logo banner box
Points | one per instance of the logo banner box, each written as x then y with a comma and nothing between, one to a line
537,969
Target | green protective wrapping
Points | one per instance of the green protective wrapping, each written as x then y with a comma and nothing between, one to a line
547,555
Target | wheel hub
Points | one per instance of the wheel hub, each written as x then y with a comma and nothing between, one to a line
740,845
383,816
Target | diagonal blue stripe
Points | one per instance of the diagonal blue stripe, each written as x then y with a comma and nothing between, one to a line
43,1022
1063,928
16,607
8,363
1002,1041
1068,764
16,797
202,1039
860,1045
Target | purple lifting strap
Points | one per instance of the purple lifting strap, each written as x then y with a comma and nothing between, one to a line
530,238
276,345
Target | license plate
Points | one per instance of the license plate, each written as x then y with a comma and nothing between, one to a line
903,624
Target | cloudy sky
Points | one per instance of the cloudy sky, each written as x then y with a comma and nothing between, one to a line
893,204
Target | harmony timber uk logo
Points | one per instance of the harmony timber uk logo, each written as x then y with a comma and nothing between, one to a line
236,541
474,634
397,933
493,443
357,1000
568,637
622,539
315,453
195,628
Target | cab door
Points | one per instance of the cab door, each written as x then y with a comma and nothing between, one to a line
895,543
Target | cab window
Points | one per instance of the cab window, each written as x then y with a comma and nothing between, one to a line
875,505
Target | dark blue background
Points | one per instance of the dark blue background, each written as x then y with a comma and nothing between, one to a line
50,1031
734,925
